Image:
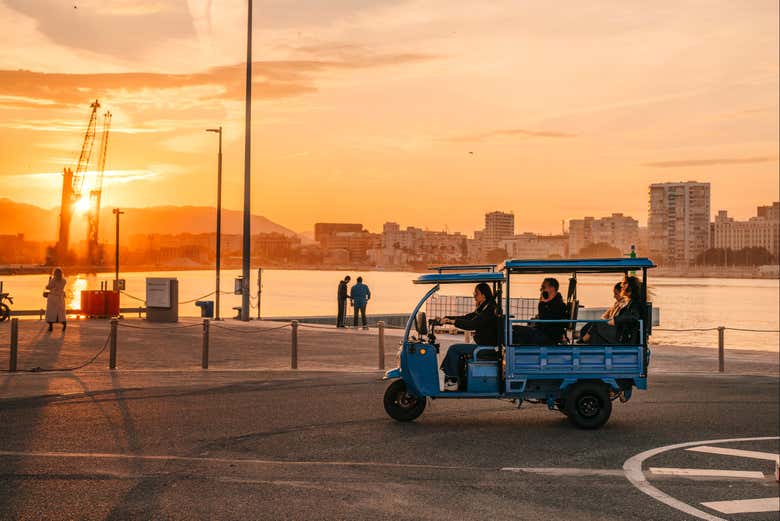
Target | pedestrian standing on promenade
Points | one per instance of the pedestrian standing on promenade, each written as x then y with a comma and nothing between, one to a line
55,299
342,297
360,295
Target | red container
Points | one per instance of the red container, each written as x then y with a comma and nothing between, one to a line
100,303
112,303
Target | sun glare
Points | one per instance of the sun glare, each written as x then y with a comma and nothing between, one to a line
82,205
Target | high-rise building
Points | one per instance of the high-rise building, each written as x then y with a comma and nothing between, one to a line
499,226
679,221
323,231
617,230
761,231
533,246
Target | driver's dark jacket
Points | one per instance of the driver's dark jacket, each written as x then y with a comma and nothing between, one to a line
483,321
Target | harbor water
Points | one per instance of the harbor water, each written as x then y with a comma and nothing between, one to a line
685,303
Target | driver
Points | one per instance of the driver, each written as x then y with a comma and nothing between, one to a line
483,321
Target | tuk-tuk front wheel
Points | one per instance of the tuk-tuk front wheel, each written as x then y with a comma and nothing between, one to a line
587,405
400,405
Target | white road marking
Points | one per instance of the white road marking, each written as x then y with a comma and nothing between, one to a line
736,452
562,471
746,506
671,471
196,459
633,470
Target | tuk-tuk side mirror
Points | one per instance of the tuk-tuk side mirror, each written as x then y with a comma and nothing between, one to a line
421,324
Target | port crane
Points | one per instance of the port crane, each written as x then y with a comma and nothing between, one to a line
72,188
94,251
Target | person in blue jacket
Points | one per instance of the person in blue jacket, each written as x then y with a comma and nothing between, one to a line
360,294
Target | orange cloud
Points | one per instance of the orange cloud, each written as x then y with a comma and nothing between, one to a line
271,79
711,162
482,136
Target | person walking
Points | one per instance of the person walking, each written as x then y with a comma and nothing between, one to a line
360,294
55,299
341,298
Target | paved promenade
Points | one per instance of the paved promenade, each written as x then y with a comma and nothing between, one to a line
248,438
160,355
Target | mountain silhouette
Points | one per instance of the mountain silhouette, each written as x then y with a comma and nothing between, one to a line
41,224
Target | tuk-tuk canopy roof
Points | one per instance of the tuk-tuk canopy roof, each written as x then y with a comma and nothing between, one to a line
577,265
464,267
459,278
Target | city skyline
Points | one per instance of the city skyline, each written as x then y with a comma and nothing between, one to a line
310,232
458,115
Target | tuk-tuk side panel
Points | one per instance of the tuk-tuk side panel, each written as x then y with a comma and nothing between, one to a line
420,368
605,361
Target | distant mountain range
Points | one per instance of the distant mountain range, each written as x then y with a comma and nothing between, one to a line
40,224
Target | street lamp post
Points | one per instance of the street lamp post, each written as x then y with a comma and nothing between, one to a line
116,212
247,164
219,218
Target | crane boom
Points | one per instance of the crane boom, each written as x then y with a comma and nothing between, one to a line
94,253
86,152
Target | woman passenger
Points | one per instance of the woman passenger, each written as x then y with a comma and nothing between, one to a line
622,326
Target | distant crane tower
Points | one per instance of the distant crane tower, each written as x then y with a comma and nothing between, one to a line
94,251
72,183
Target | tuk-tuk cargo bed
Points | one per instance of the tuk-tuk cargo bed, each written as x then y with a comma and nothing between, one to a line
573,361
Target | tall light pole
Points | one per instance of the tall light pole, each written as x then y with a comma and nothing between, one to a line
247,169
219,217
116,212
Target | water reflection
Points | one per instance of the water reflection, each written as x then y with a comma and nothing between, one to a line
76,284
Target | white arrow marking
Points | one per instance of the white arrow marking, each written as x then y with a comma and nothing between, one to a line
745,506
736,452
670,471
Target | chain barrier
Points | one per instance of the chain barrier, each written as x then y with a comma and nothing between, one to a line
123,324
249,331
752,330
198,298
133,297
686,330
64,369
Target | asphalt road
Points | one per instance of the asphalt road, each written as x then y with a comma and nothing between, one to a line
319,446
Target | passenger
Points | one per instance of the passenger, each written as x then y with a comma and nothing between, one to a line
622,327
483,321
617,293
551,307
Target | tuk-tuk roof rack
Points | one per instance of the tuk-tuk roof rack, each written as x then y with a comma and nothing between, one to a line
464,268
615,265
460,278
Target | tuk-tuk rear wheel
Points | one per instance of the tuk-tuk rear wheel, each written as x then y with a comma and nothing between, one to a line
587,405
400,405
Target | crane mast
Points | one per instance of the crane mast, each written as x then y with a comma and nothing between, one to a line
72,183
94,252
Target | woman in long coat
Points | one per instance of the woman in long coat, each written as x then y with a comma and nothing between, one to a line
55,299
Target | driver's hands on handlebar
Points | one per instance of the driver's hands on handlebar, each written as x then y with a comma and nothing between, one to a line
445,320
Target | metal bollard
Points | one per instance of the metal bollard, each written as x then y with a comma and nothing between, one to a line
14,345
112,346
294,348
204,363
721,349
381,327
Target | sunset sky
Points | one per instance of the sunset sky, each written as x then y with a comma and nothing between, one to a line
423,112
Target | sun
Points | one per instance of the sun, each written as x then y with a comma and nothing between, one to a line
82,205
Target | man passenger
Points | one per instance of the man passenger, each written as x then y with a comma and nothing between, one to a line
551,307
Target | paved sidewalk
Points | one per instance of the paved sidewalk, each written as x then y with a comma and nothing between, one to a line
169,355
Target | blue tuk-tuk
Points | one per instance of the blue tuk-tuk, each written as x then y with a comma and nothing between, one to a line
579,380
